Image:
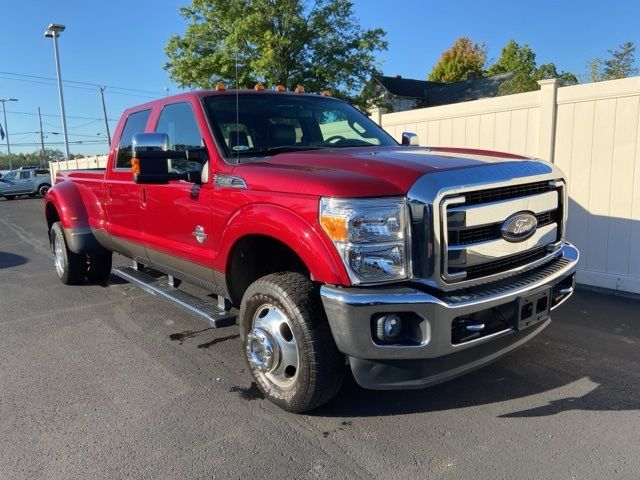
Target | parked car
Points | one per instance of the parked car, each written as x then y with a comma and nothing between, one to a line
325,239
25,181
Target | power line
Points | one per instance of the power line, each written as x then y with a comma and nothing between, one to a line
58,115
79,85
77,142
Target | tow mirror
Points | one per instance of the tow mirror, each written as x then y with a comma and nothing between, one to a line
410,139
151,155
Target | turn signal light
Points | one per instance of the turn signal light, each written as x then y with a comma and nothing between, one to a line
220,87
135,166
335,226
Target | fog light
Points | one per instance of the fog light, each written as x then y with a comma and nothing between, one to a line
388,327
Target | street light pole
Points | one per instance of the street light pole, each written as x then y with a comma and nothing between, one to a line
6,127
53,31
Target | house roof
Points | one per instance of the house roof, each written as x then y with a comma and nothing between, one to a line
466,90
405,87
438,93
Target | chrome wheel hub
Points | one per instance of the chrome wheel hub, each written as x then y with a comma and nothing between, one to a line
272,348
58,256
262,350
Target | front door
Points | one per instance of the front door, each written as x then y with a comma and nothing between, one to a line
176,217
123,195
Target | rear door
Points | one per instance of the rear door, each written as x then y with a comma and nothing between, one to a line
176,217
123,194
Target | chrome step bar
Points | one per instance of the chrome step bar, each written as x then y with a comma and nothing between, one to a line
211,313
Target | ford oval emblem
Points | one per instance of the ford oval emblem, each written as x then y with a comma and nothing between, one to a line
519,227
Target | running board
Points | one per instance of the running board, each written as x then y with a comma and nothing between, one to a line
200,308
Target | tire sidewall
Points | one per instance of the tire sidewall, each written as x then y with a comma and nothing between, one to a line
295,394
44,187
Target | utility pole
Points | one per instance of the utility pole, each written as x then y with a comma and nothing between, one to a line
44,163
106,122
6,128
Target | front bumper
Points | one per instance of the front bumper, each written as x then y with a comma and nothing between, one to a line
436,358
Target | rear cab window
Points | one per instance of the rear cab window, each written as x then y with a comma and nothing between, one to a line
135,123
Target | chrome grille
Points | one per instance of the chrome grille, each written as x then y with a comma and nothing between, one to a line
473,247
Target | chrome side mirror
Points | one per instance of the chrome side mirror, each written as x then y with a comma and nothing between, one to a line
150,155
410,139
149,142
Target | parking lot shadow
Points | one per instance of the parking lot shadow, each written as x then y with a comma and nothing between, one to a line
9,260
591,346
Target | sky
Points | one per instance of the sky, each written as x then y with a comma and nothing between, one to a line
121,44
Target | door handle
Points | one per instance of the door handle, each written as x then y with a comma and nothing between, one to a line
143,195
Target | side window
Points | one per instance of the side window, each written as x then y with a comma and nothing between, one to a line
136,123
25,175
179,123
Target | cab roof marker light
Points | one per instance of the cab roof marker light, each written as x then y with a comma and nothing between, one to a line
259,87
299,89
220,87
280,88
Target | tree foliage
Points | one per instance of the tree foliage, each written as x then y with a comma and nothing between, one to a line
33,158
620,64
521,60
463,57
318,44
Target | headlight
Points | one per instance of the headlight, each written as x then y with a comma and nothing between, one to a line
369,235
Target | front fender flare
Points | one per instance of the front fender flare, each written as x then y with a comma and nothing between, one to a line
279,223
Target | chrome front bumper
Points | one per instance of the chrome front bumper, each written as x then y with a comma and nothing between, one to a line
350,312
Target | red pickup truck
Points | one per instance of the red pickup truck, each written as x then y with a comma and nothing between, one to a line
322,237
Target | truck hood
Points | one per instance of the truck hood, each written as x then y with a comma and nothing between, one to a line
359,172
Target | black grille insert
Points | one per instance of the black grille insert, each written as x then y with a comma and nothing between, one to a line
503,193
503,264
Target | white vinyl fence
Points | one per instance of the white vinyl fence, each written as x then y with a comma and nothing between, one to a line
591,131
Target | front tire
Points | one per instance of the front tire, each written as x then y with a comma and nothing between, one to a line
70,267
43,189
288,344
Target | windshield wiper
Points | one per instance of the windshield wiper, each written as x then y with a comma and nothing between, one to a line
273,150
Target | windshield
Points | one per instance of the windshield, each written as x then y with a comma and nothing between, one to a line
267,124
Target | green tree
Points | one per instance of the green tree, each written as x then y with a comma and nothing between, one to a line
463,57
620,64
521,61
33,158
318,44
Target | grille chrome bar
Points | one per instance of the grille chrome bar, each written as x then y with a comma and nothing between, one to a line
435,193
462,256
497,212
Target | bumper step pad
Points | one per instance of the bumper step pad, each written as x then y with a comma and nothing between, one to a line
196,306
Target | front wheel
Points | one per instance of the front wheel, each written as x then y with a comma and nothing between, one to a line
43,189
288,343
70,267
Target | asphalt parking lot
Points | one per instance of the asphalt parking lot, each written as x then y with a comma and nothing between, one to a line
106,381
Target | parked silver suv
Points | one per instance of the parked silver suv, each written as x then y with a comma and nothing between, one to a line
25,181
